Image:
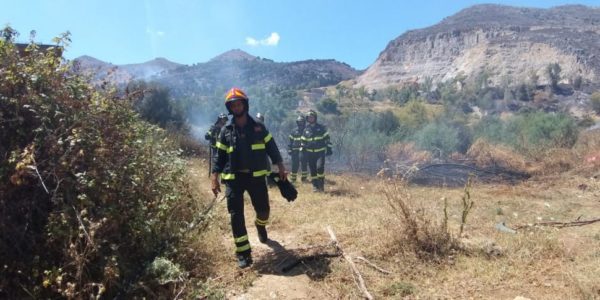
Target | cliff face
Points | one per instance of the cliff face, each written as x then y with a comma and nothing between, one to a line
506,43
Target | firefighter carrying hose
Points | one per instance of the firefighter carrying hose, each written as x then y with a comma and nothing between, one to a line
294,150
242,149
315,146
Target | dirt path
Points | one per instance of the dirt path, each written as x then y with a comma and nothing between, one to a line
278,278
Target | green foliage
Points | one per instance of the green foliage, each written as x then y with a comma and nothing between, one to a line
165,271
412,118
90,194
439,138
155,105
328,106
403,95
595,100
386,122
358,143
493,129
530,131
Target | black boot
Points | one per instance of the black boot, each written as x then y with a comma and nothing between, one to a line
244,259
322,184
315,184
262,233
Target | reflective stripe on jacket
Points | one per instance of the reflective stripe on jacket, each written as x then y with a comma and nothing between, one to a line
315,138
261,145
295,139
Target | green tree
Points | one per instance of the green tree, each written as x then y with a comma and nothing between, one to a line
155,105
386,122
439,138
328,106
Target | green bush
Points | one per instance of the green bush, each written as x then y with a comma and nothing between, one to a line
328,106
154,104
357,142
530,131
439,138
89,194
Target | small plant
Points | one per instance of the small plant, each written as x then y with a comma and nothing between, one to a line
499,211
427,237
467,204
401,289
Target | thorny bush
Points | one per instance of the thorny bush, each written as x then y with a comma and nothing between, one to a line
87,190
420,231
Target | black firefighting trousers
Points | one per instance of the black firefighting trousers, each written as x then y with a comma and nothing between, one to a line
299,162
259,196
316,165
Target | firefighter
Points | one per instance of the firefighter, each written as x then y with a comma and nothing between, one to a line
315,146
211,136
213,133
294,150
241,161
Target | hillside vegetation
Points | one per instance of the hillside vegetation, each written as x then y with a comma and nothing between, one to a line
93,201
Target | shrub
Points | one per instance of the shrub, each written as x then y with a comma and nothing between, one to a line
530,132
328,106
154,104
439,138
88,191
420,231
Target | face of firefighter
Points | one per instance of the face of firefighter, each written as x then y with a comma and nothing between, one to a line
311,119
237,108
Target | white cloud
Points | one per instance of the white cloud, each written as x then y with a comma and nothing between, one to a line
155,33
252,41
272,40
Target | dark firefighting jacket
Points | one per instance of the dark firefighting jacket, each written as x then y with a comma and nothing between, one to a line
295,142
315,138
212,135
261,144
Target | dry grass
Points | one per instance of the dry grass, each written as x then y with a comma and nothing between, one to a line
540,263
407,153
487,155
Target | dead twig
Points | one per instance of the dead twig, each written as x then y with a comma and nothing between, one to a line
374,266
560,224
361,281
87,235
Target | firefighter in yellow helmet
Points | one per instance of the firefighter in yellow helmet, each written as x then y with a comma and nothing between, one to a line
243,149
315,146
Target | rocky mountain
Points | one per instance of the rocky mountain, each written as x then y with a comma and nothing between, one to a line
238,68
505,43
232,68
120,74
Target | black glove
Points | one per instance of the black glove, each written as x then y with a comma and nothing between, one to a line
287,189
329,152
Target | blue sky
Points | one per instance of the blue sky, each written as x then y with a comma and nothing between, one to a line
186,31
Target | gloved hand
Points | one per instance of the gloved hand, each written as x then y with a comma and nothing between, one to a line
329,152
286,188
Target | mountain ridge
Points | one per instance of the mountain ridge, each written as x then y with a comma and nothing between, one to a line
504,41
